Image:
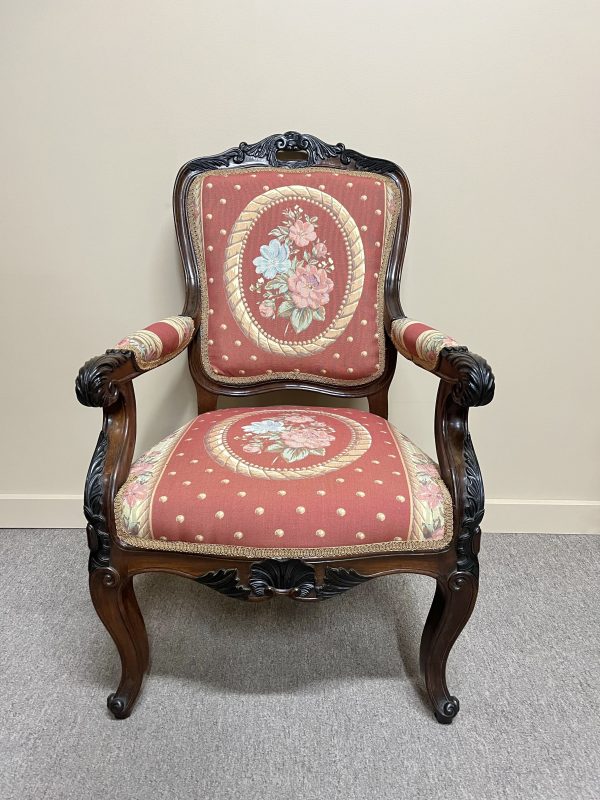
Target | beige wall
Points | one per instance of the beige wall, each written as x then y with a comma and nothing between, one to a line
492,109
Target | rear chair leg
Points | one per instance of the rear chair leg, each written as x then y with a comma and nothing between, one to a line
452,606
116,605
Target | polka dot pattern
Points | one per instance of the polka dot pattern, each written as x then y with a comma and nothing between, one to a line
217,200
371,506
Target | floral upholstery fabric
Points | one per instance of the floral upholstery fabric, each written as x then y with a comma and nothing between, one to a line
159,342
292,265
419,342
285,481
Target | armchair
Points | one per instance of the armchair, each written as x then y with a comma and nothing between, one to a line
292,254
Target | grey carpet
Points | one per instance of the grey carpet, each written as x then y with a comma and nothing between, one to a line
293,700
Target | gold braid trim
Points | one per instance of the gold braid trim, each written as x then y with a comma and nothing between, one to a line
235,551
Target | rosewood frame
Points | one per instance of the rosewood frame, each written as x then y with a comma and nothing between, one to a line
106,381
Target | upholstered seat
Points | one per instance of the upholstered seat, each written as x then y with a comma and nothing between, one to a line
285,482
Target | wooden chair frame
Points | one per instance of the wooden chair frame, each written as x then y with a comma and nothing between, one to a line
106,381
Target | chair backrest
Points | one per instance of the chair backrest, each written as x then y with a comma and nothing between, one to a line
292,252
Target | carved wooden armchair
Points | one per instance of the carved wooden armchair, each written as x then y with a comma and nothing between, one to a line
292,253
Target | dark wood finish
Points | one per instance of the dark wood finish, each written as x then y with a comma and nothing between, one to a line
106,381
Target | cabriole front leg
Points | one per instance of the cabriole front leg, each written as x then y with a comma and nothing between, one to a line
115,604
452,606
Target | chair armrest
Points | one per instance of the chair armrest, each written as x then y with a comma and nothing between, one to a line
440,354
158,343
132,356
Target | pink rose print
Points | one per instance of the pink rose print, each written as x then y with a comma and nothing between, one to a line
301,233
310,287
252,448
429,469
134,493
311,438
266,309
431,494
295,272
291,437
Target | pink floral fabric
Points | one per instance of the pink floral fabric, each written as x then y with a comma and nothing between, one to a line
285,481
293,265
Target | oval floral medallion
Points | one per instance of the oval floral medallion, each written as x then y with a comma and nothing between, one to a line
294,270
280,444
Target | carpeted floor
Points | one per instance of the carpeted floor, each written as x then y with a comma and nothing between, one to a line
321,701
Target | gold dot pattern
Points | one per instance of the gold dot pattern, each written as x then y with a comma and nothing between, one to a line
372,508
371,202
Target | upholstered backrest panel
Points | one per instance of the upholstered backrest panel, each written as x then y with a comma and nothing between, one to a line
292,265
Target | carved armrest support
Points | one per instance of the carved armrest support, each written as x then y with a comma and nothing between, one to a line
106,381
440,354
466,380
98,379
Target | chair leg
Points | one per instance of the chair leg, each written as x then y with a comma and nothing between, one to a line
116,605
452,606
137,625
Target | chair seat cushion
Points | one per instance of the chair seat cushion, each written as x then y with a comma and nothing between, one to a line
285,481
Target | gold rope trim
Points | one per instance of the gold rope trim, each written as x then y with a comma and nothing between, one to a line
217,447
390,226
233,262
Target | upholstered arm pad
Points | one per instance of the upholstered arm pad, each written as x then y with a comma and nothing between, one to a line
434,351
419,342
98,379
159,342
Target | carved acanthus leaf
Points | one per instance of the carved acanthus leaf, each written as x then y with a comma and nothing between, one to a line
94,386
475,380
339,580
93,507
311,150
226,582
290,577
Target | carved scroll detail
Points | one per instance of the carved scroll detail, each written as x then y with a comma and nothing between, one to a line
93,385
475,384
291,577
313,150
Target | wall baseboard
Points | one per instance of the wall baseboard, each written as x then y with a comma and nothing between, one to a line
41,511
502,516
541,516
